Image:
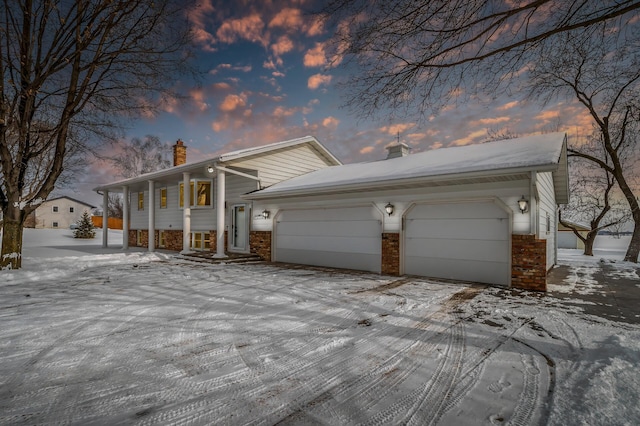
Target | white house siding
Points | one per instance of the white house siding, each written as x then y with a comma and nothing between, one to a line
283,164
547,206
45,216
202,218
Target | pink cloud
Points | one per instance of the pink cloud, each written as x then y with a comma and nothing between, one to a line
507,106
395,128
315,57
282,46
198,16
292,20
367,150
247,28
330,122
490,121
233,102
317,80
198,98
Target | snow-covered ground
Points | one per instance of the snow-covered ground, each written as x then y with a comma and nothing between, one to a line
96,336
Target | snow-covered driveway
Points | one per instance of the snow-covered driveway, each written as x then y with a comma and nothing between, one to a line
150,339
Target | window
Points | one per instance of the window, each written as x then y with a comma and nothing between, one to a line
70,209
55,224
200,240
138,237
55,209
140,200
161,239
163,198
200,193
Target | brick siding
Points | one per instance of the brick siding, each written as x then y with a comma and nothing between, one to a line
528,263
390,253
260,243
213,240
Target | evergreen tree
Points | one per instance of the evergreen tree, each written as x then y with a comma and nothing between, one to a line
85,227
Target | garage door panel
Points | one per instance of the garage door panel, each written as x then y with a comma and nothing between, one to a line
456,228
476,271
331,259
331,228
329,215
468,241
338,244
349,237
482,250
467,210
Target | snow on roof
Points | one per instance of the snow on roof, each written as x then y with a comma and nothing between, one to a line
229,156
530,152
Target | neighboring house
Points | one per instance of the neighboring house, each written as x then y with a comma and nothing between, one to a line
58,212
568,239
158,205
484,213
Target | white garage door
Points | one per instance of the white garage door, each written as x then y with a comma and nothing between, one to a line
466,241
336,237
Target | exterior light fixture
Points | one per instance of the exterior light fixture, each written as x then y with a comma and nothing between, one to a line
389,208
265,214
523,205
210,169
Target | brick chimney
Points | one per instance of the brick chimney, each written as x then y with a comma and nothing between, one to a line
398,150
179,153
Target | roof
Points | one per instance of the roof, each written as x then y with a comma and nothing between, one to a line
532,153
578,226
72,199
201,165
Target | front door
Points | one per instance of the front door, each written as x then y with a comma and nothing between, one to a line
239,227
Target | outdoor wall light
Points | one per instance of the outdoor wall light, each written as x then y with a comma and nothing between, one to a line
389,208
523,205
210,169
266,214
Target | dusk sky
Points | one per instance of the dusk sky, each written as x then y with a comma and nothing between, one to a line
266,78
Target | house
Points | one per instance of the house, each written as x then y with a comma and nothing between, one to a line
568,239
59,212
484,213
157,204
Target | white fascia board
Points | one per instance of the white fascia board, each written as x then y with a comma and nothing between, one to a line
379,185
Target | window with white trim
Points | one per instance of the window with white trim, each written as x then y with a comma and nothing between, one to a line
55,209
71,210
161,239
200,240
54,224
140,200
200,193
163,198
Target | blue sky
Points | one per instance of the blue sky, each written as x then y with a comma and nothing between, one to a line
266,78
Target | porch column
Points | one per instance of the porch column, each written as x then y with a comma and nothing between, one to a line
186,212
152,216
125,217
105,218
220,213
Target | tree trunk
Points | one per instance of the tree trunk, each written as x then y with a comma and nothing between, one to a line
588,243
11,255
634,244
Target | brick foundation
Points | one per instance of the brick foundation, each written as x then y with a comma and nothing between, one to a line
144,238
528,263
172,240
390,254
260,244
213,241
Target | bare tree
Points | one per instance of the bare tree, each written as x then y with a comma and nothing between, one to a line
141,156
74,68
592,203
412,57
114,208
601,72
